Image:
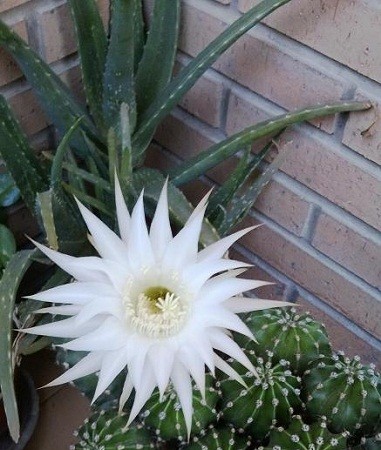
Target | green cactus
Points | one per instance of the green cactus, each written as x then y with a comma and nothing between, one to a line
346,392
302,436
107,431
166,418
288,335
219,438
269,399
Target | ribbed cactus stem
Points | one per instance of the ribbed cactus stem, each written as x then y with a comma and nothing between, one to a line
271,399
222,437
345,391
288,335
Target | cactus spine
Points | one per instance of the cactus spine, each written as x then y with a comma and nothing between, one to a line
219,438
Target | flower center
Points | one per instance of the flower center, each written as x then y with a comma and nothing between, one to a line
156,311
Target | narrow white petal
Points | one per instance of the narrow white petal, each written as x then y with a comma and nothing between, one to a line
106,242
89,364
108,336
246,304
122,213
201,207
226,345
106,305
226,368
66,328
139,246
212,317
160,231
230,274
219,248
183,386
202,346
183,248
217,290
197,274
143,392
74,293
195,366
65,310
87,268
126,393
112,364
161,358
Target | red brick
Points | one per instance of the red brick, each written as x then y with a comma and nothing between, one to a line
328,285
259,64
28,112
10,4
340,337
73,79
283,206
58,33
316,165
349,248
9,70
346,31
205,99
363,130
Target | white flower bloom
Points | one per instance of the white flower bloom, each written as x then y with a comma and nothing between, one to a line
151,303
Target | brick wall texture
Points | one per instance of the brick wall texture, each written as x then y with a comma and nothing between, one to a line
321,240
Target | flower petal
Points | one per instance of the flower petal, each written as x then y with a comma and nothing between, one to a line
160,231
122,213
106,242
74,293
195,366
112,364
67,328
87,268
139,247
161,358
89,364
126,393
65,310
226,368
106,305
219,248
183,387
108,336
222,318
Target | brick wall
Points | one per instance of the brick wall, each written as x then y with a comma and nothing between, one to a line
321,240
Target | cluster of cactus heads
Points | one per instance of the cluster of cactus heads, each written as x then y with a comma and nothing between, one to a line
301,397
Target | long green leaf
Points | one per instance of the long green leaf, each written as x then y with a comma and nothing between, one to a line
9,284
119,85
179,207
54,96
193,71
241,204
139,38
159,53
92,44
19,157
217,153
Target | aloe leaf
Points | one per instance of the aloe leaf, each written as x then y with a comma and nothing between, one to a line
159,53
179,207
7,245
88,199
217,153
19,157
54,96
139,34
119,85
173,93
9,284
241,204
92,44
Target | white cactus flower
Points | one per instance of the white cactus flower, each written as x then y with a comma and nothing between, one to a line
151,303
